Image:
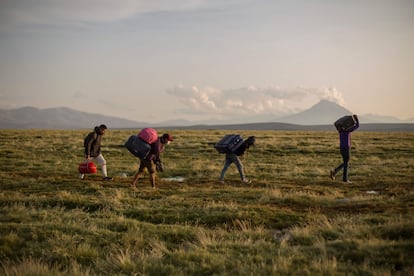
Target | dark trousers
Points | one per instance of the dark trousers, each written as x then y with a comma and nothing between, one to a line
346,154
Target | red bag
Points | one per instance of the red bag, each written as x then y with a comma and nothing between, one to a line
148,135
87,167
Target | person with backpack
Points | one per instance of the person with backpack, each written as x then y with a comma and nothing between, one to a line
152,162
234,157
345,149
92,146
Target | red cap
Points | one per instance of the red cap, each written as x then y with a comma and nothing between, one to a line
167,137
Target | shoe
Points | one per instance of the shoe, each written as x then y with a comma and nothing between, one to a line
247,181
347,181
221,181
81,176
332,175
106,178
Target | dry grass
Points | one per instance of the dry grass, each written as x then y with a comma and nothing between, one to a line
291,220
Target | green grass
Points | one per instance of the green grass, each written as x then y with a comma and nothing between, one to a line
293,219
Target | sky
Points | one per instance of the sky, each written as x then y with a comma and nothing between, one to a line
160,60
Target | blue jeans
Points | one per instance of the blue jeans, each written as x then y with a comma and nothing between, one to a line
346,154
232,158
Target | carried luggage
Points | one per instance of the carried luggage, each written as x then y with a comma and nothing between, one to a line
148,135
345,123
229,143
137,146
87,167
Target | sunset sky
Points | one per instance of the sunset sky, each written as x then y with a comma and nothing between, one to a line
160,60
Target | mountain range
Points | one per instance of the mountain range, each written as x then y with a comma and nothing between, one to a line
322,113
59,118
319,117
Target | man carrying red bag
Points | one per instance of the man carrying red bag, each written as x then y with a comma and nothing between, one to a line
92,145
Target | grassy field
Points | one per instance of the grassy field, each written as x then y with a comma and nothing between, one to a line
292,219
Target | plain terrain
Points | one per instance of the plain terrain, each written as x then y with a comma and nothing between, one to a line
292,219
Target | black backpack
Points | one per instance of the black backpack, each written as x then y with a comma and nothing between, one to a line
137,146
345,123
229,143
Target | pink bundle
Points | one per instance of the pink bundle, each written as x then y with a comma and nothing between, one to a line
148,135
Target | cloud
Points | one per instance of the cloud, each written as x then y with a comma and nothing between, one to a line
78,12
83,98
111,105
333,95
251,100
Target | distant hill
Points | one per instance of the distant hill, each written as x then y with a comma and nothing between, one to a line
326,112
59,118
319,117
401,127
323,113
372,118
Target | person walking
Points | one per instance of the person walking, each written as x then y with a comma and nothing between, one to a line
153,161
231,158
345,149
92,145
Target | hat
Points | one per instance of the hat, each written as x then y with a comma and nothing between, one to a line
103,126
167,137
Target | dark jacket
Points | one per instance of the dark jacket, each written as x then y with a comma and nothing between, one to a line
249,142
240,151
156,149
92,143
345,137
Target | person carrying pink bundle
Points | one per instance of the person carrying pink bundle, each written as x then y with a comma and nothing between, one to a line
152,161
